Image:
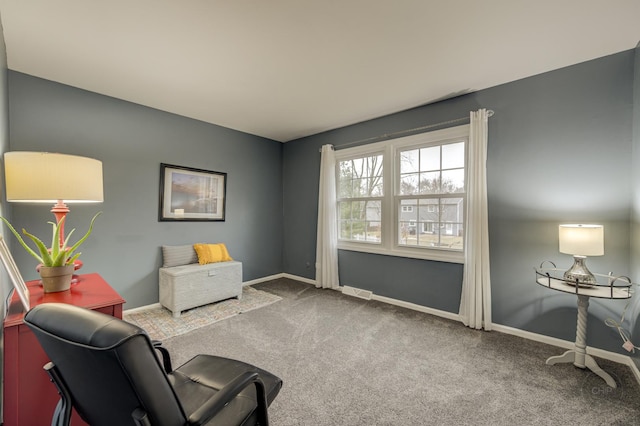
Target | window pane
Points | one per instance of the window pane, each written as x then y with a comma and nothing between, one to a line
344,188
409,161
374,166
409,184
453,155
359,188
361,177
452,181
360,221
344,210
408,210
358,210
439,223
374,184
430,159
429,210
429,183
358,164
407,221
451,223
345,179
374,176
375,189
451,210
346,169
345,230
374,210
374,221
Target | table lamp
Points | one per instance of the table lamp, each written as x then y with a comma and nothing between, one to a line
581,241
43,177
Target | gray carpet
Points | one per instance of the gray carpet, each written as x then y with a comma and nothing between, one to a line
347,361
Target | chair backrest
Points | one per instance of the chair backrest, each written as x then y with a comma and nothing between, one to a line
108,365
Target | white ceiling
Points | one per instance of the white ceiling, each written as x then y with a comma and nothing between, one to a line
285,69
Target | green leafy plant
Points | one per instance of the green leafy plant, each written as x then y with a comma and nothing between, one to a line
56,255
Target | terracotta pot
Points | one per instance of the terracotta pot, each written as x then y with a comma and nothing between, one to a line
56,278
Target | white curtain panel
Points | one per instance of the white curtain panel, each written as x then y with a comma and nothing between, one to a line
327,242
475,302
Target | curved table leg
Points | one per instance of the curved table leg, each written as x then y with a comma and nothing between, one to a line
593,366
568,356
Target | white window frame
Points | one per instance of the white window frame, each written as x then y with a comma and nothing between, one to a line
389,229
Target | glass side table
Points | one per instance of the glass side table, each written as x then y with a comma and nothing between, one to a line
615,288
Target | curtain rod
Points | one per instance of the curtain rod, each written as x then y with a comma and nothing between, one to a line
403,132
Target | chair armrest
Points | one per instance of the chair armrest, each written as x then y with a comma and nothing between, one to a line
140,417
166,357
223,397
62,413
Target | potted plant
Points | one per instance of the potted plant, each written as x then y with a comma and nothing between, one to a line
56,263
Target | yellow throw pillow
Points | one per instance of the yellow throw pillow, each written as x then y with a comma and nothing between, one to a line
211,253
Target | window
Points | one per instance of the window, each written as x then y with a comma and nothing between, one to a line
360,193
405,197
431,178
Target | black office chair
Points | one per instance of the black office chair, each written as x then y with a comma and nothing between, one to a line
108,370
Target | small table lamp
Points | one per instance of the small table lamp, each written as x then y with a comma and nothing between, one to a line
42,177
581,241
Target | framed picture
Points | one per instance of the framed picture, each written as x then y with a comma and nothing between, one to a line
188,194
14,274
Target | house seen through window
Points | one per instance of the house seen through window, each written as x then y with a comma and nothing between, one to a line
431,196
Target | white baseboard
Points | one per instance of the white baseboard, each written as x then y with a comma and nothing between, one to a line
263,279
414,307
297,278
141,308
564,344
281,275
600,353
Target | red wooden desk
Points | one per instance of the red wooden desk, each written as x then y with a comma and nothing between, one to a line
29,397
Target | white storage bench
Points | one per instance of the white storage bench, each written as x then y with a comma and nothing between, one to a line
188,286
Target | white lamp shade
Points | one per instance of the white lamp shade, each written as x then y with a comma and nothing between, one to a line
42,177
582,240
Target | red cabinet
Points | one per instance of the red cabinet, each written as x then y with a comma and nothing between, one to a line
29,398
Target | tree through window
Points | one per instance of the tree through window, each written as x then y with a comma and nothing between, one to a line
360,195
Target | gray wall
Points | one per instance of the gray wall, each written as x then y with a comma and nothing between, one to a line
132,141
559,151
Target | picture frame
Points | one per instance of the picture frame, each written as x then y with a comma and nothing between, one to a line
188,194
14,274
